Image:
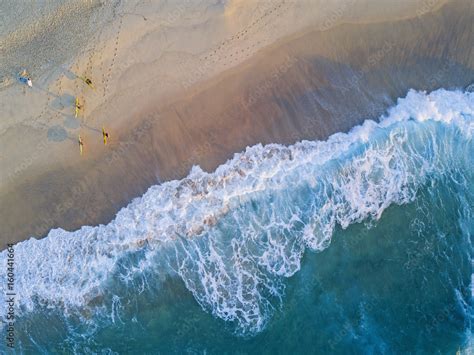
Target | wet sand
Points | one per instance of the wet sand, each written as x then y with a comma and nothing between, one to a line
168,111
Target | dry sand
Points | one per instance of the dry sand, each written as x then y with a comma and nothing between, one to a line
192,83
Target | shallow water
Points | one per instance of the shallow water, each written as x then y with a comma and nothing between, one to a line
359,244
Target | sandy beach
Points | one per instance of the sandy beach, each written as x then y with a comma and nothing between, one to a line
192,83
236,176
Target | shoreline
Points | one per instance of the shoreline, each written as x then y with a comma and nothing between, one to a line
305,86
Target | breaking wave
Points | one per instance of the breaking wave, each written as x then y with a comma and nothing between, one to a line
235,234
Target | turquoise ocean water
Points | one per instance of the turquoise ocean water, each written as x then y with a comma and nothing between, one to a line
361,244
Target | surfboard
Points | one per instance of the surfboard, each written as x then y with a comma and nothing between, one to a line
80,145
77,107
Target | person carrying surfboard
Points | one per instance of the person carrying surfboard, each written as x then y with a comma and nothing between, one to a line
81,144
77,106
87,81
105,135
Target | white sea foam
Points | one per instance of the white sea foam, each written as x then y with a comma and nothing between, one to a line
234,234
